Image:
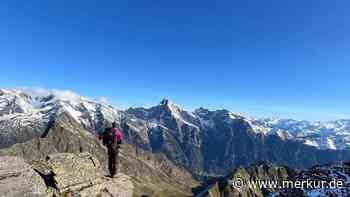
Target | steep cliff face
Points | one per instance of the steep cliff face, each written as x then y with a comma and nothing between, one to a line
173,131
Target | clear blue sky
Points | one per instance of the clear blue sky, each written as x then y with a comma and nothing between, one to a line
262,58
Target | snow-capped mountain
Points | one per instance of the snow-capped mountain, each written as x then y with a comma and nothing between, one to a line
204,141
26,115
323,135
165,108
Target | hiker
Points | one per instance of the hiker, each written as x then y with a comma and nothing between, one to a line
112,138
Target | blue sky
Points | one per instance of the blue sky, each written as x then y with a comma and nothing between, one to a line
260,58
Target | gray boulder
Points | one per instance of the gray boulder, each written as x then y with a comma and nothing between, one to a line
17,178
61,174
82,175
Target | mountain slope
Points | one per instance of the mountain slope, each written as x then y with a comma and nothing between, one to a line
24,116
165,141
213,142
66,135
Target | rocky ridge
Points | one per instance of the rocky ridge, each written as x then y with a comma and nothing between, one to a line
62,174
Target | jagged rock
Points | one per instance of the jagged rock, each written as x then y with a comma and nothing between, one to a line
223,186
62,174
17,178
74,171
82,174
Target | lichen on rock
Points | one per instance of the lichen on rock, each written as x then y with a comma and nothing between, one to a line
19,179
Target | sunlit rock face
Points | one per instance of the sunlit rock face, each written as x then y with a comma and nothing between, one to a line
60,174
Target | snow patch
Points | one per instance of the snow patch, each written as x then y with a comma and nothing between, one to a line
311,143
331,144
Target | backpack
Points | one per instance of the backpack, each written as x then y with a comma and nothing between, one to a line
117,136
112,137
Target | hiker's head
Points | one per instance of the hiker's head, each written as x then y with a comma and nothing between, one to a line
114,125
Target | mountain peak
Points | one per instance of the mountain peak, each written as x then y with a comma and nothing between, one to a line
165,101
170,106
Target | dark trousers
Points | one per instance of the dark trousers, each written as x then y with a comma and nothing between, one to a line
113,160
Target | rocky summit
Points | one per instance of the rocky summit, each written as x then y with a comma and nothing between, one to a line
167,150
63,174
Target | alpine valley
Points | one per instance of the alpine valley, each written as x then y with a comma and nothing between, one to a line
168,151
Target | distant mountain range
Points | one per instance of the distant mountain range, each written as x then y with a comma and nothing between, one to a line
203,142
18,105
